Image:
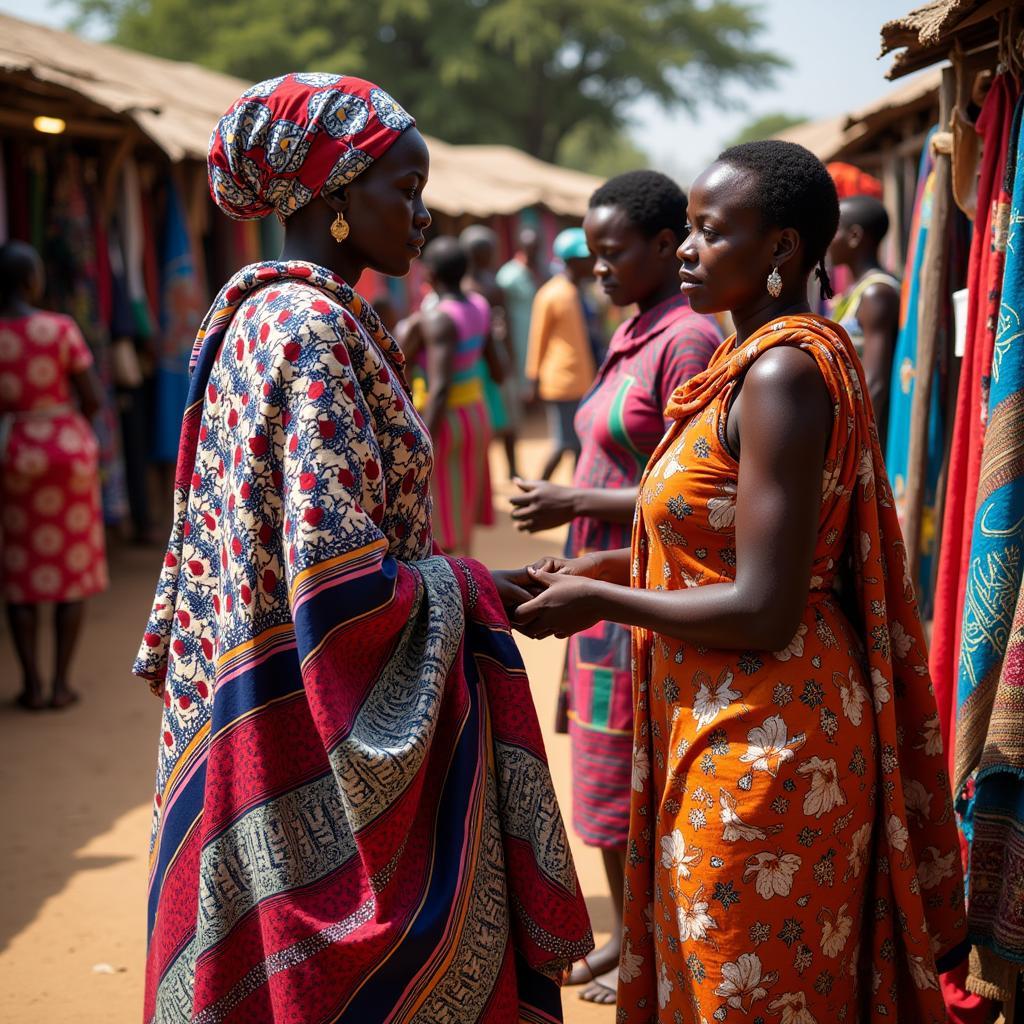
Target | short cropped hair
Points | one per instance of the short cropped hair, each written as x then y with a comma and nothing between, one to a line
650,200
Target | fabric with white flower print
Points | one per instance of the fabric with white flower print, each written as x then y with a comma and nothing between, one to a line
811,779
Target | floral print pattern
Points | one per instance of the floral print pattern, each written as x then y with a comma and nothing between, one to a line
53,546
792,855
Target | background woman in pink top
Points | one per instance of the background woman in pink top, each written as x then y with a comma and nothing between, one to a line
53,547
455,335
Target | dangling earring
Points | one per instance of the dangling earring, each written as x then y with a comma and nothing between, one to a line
340,229
774,283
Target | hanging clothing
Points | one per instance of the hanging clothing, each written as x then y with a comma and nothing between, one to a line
182,312
989,756
134,247
73,282
460,488
354,819
901,388
792,850
984,281
620,422
53,545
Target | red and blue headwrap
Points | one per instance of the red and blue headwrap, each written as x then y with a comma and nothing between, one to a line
286,140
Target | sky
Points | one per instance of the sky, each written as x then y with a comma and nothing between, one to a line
832,47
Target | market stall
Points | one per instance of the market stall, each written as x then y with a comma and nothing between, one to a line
977,657
102,169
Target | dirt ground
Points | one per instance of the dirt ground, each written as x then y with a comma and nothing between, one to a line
76,789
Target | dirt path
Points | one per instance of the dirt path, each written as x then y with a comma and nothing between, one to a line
77,788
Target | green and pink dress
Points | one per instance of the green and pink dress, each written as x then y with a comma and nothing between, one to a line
620,422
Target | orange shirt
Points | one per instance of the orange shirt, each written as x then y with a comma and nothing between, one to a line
559,356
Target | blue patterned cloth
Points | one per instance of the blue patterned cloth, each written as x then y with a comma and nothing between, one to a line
996,563
904,371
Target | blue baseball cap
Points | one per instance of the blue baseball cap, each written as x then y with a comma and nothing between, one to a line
571,244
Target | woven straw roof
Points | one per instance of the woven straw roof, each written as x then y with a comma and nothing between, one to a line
177,105
925,35
834,138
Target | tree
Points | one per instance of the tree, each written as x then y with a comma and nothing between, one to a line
766,127
602,154
521,72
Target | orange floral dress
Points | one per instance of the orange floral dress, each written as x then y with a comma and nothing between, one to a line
792,854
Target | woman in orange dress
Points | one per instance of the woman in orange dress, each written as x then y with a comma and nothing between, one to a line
53,547
792,854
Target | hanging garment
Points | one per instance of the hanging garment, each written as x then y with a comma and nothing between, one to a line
901,390
984,282
989,759
73,282
133,246
181,313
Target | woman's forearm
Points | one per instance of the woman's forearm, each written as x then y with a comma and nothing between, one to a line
611,505
612,566
717,615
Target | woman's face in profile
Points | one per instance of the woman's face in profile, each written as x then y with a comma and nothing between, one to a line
386,214
727,253
628,265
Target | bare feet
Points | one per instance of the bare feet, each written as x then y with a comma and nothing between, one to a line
30,699
602,989
597,963
63,696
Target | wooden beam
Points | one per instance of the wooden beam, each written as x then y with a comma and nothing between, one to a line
75,126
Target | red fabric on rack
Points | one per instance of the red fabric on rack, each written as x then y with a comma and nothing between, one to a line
984,281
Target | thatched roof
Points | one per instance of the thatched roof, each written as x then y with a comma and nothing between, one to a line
176,105
836,138
925,35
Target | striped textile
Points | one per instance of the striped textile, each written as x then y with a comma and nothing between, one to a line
353,818
619,423
461,484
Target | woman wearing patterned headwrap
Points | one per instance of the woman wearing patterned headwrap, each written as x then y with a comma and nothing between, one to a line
353,819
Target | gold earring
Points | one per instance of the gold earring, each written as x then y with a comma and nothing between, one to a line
340,228
775,283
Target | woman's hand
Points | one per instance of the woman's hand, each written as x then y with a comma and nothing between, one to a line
515,587
542,506
588,565
568,604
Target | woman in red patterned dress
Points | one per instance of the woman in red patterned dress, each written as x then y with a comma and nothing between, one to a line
53,547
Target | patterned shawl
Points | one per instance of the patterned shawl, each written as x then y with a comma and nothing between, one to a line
354,818
963,473
989,764
928,931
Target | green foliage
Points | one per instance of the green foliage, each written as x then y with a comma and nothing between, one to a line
586,148
765,127
522,72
